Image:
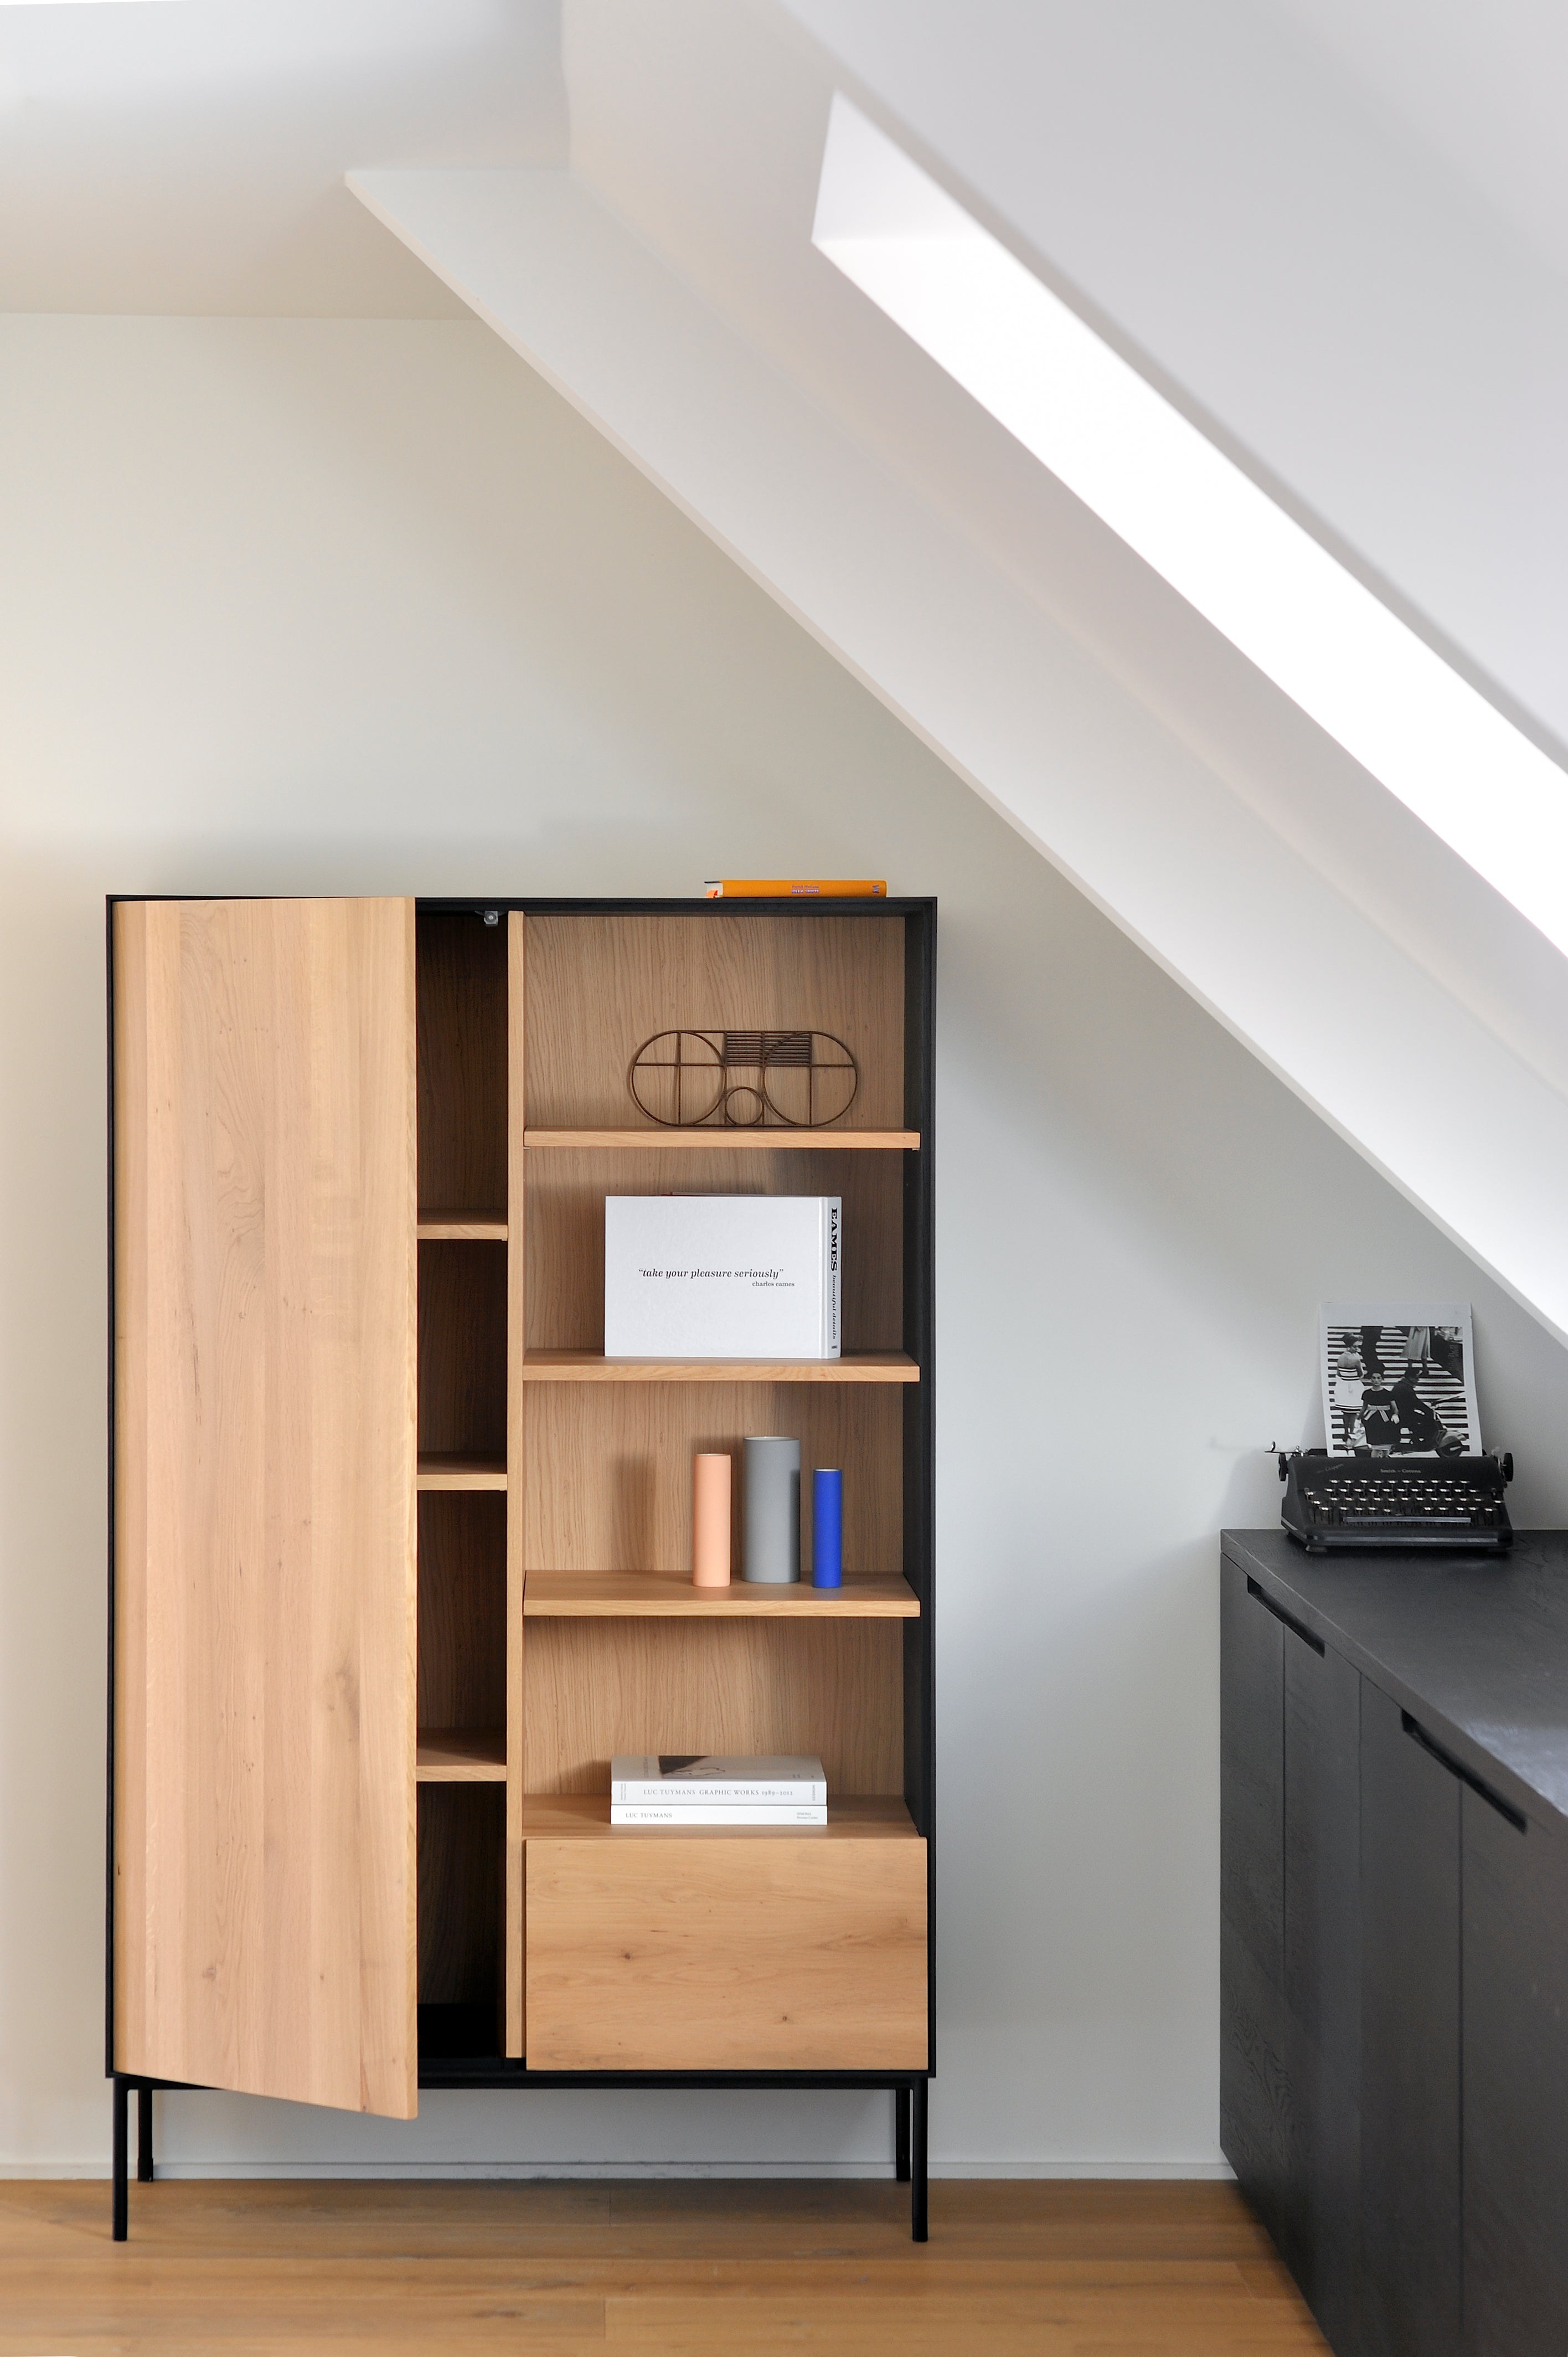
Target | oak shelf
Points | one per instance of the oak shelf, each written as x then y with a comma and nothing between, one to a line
585,1817
593,1367
462,1227
776,1138
637,1595
461,1473
460,1755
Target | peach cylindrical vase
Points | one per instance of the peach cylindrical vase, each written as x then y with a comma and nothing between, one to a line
711,1521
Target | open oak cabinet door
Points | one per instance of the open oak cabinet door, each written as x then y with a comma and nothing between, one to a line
264,1871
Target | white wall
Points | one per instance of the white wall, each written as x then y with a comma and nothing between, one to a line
305,606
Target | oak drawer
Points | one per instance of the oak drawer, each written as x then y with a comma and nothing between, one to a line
656,1951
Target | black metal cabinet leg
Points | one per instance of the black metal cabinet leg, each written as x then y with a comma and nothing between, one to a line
143,2136
902,2135
918,2231
121,2200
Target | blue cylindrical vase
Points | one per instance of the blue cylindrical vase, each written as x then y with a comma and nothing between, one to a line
827,1527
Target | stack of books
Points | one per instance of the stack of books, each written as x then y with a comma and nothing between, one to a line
684,1788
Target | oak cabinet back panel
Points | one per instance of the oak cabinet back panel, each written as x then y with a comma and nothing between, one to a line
265,1919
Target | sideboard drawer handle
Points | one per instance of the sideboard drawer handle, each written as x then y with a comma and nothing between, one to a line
1418,1734
1294,1626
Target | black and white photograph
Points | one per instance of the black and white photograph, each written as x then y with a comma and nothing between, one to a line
1399,1380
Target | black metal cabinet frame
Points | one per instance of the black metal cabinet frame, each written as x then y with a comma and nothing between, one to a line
917,918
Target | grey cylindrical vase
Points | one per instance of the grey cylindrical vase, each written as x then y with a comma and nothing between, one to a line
772,1507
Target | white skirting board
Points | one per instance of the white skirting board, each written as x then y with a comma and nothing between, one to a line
441,2172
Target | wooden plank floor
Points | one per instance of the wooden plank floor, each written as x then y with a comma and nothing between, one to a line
680,2269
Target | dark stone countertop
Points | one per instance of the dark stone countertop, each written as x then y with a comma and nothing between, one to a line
1474,1647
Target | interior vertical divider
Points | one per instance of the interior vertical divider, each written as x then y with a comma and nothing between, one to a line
516,1409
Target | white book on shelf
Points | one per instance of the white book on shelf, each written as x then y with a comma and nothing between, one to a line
688,1779
723,1276
733,1814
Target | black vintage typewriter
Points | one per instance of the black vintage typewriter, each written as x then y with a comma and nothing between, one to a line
1395,1502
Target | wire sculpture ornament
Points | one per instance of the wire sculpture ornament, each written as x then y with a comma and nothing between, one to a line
743,1080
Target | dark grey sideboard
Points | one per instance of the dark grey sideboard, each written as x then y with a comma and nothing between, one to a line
1394,1937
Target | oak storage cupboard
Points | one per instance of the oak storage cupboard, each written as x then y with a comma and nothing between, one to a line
399,1559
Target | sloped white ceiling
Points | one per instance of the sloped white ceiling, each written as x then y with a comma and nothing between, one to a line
1338,228
1482,89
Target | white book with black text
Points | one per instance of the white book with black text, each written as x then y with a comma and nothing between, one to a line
733,1813
723,1276
685,1779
